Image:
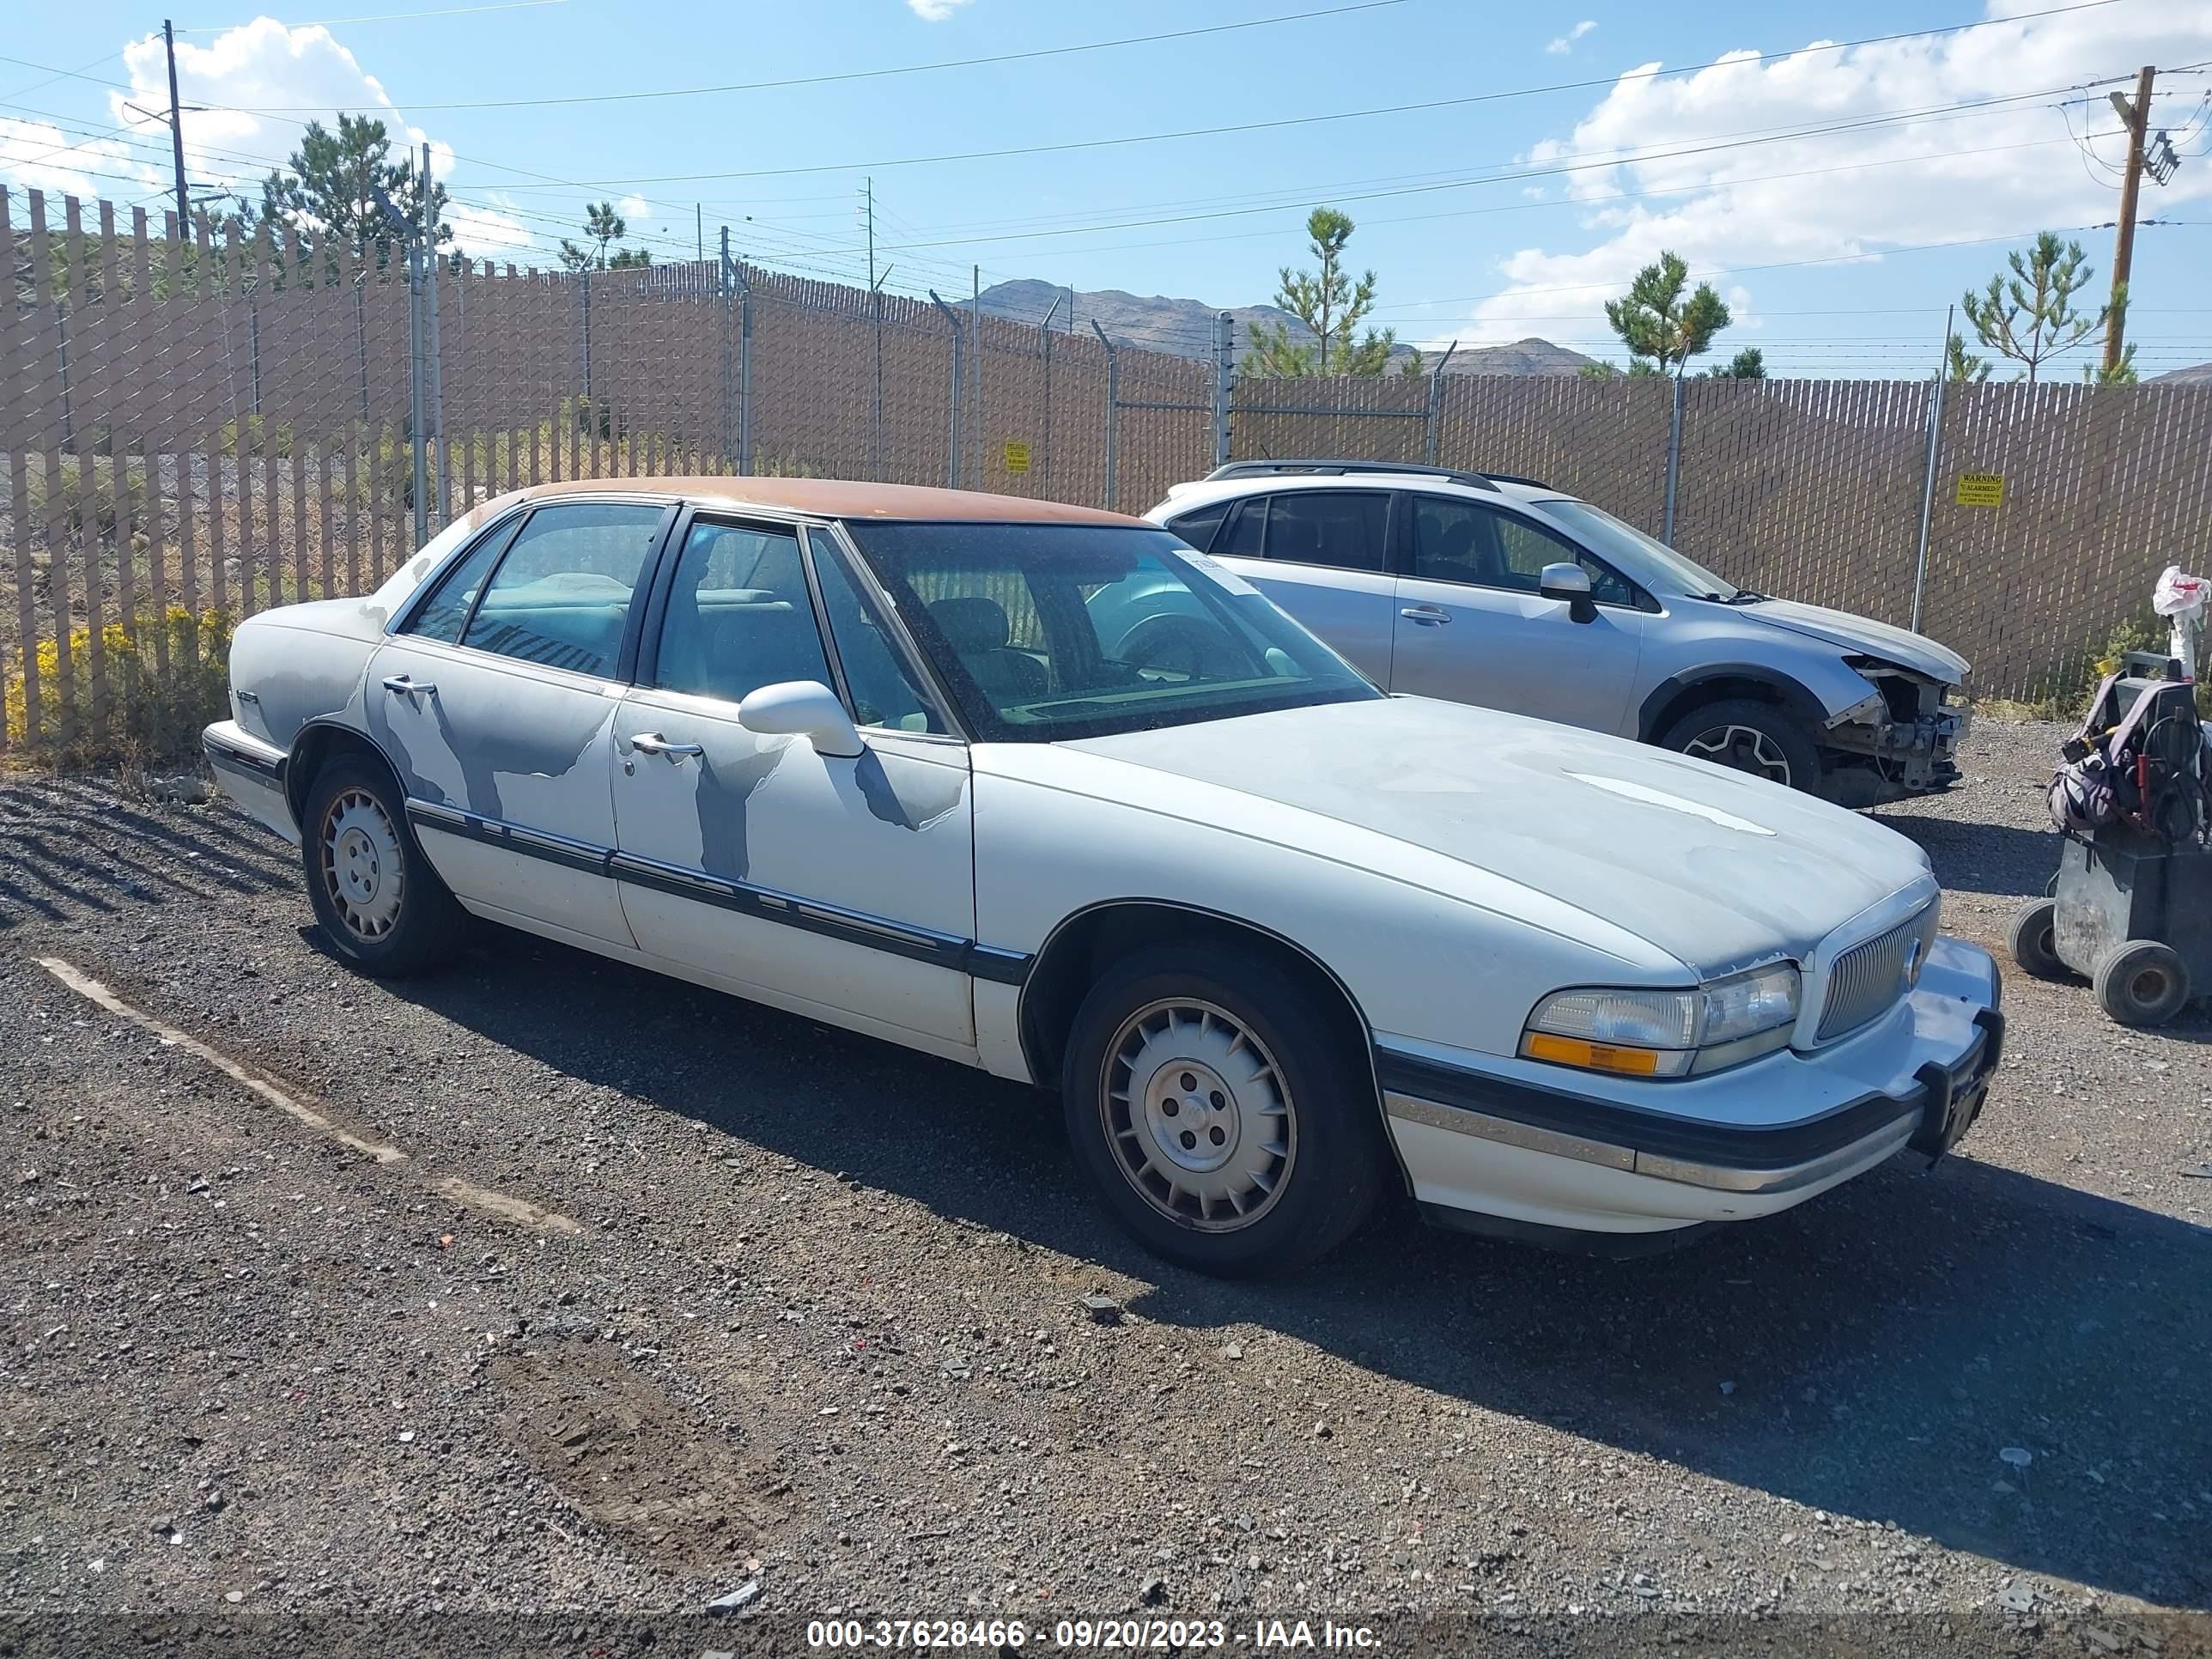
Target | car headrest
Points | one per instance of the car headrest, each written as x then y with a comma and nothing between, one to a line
972,623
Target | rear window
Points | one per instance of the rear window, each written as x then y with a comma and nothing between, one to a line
1197,526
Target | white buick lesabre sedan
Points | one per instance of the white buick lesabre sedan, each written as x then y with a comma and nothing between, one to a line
1038,789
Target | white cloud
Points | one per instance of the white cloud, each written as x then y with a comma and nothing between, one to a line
38,155
635,208
261,64
2005,173
935,11
1565,44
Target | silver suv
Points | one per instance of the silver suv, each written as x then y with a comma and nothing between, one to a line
1488,589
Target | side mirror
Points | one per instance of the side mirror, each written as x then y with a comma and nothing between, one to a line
802,708
1570,582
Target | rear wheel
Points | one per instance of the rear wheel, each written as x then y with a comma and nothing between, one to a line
2142,982
381,906
1223,1115
2033,940
1748,737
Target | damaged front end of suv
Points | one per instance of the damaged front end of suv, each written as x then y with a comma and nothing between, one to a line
1900,739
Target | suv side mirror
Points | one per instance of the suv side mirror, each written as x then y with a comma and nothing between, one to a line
804,708
1570,582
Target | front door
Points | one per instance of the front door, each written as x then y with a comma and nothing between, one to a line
1471,627
494,703
833,885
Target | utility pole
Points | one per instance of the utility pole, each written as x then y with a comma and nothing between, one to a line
699,224
177,134
2137,119
434,395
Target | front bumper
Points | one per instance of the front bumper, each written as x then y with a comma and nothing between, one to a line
1887,758
1543,1147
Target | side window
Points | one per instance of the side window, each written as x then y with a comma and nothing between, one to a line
739,615
1344,529
562,595
1245,536
1526,550
447,611
883,691
1197,527
1457,541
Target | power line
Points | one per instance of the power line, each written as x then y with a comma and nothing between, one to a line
1892,118
1302,121
881,74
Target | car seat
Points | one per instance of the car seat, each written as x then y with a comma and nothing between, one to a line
978,631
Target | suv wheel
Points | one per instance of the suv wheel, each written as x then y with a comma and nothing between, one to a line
1749,736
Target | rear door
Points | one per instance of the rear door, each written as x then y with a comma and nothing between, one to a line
1324,555
494,701
1472,627
835,885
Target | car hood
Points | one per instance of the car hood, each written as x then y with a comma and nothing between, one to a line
1716,869
1862,634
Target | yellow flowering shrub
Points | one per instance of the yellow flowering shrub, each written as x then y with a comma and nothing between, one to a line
150,714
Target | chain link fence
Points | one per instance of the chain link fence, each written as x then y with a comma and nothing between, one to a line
199,427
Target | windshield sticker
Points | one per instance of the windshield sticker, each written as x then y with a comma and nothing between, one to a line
1229,580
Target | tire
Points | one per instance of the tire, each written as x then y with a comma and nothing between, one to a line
1756,738
2142,982
2032,938
381,906
1225,1041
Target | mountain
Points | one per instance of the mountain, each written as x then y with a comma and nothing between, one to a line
1184,328
2201,375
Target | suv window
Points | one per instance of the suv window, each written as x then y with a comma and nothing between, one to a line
562,595
1198,525
1461,542
1343,529
739,616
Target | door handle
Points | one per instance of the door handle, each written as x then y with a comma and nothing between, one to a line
653,742
1431,614
409,688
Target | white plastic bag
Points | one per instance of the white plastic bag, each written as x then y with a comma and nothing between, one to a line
2180,599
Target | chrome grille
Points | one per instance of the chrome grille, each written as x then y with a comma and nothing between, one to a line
1870,976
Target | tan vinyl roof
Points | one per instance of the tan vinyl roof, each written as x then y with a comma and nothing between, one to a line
830,498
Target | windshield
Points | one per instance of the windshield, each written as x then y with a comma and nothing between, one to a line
1046,631
1645,558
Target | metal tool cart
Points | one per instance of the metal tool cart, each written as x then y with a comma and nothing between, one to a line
2130,909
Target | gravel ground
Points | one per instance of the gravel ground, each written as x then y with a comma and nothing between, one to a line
817,1326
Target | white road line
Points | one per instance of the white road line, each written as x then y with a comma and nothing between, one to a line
519,1212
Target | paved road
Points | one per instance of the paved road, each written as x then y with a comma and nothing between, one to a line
816,1324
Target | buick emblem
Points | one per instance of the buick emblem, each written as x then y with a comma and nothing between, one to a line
1913,953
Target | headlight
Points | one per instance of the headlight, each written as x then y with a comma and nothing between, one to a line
1666,1033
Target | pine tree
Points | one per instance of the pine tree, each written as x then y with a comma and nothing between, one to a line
1331,305
2029,316
1660,326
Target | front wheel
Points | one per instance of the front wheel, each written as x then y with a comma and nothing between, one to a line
381,905
1226,1117
1748,737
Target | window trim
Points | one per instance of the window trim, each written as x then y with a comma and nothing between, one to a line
648,577
646,673
1639,599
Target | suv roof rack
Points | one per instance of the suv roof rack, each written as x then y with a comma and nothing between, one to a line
1337,468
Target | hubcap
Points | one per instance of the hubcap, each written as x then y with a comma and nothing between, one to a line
1746,748
363,870
1199,1119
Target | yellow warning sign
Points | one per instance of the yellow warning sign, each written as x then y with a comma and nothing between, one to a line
1981,489
1018,456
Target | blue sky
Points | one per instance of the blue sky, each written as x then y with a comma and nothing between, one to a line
1809,186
